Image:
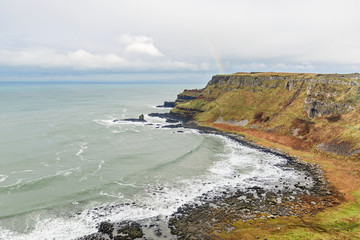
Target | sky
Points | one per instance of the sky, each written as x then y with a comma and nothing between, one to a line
172,39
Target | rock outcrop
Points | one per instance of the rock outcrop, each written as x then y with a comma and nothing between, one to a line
126,230
315,108
140,119
167,104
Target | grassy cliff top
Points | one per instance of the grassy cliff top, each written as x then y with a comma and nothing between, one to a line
349,77
289,74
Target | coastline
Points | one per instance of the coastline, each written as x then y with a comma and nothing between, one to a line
314,117
338,216
216,215
229,209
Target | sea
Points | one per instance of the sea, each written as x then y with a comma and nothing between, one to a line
66,166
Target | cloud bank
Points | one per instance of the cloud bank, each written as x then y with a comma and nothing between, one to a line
83,60
179,36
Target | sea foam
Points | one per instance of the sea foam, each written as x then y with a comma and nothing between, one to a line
237,168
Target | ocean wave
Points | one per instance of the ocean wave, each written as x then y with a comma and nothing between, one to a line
179,158
83,147
112,194
237,168
50,229
67,172
127,184
22,171
164,199
99,166
3,177
26,185
122,126
18,181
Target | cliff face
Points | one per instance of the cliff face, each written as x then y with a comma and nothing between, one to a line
321,110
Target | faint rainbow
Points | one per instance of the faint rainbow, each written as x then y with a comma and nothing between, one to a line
217,59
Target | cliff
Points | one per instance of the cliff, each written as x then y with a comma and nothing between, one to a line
312,112
314,117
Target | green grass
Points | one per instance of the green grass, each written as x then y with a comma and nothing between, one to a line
190,93
342,222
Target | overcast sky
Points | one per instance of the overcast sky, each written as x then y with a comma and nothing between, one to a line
167,37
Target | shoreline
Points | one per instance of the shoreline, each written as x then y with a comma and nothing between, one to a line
322,194
214,215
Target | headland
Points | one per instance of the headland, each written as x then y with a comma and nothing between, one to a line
311,117
311,120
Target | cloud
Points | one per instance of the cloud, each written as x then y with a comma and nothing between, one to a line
140,44
258,35
81,60
302,66
49,58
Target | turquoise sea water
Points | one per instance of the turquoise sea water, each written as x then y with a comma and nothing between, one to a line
63,160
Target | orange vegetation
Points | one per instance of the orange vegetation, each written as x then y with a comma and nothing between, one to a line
285,140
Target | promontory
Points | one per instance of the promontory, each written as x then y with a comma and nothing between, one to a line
312,117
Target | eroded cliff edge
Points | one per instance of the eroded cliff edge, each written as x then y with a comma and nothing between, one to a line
313,112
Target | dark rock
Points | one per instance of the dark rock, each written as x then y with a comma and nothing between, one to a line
167,104
344,148
173,126
185,97
134,120
169,116
171,121
128,231
315,108
160,115
140,119
107,228
158,233
95,236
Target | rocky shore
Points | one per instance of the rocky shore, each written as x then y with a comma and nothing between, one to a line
214,212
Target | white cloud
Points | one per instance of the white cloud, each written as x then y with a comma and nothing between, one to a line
140,44
302,66
48,58
85,60
254,66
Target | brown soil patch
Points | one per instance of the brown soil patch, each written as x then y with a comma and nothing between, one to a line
334,118
258,117
285,140
303,126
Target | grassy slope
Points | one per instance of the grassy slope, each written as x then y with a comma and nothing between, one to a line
273,108
274,113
